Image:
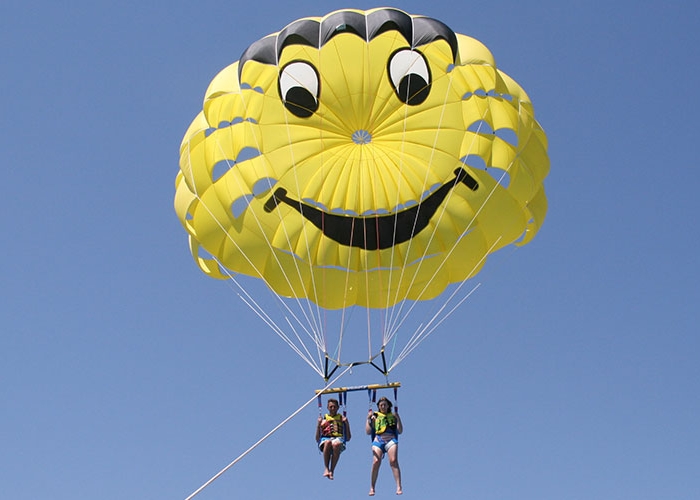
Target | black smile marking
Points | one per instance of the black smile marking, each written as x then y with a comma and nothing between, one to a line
376,231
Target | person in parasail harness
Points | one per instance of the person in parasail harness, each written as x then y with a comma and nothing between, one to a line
385,428
332,431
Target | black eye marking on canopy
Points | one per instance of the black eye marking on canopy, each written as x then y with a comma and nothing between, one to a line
299,88
377,231
409,74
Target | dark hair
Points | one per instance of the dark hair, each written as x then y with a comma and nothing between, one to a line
391,405
332,400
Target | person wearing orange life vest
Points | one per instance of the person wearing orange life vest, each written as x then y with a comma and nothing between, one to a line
332,431
385,426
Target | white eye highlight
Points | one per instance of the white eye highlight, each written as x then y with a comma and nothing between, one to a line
410,76
299,88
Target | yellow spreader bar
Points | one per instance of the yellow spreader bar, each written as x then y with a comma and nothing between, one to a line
335,390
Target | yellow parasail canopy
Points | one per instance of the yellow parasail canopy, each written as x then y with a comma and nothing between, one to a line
361,158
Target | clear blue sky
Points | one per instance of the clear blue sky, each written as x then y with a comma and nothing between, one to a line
571,374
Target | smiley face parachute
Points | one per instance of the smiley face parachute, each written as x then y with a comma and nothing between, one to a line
365,159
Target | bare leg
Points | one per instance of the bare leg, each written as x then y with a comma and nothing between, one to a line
377,455
393,454
327,459
335,456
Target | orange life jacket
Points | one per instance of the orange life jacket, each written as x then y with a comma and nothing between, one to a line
332,426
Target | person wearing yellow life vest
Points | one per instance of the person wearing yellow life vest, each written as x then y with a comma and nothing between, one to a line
332,431
385,426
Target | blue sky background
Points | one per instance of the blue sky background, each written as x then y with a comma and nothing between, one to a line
572,373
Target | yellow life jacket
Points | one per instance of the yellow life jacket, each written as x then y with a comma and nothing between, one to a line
384,422
332,426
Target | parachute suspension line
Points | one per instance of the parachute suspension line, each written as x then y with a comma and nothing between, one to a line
447,255
313,317
392,308
264,438
314,286
392,340
315,336
425,331
402,317
395,225
425,182
301,341
256,308
374,175
397,310
400,320
373,185
365,256
368,313
341,334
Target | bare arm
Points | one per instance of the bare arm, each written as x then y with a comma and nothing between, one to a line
318,429
399,425
369,423
348,434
